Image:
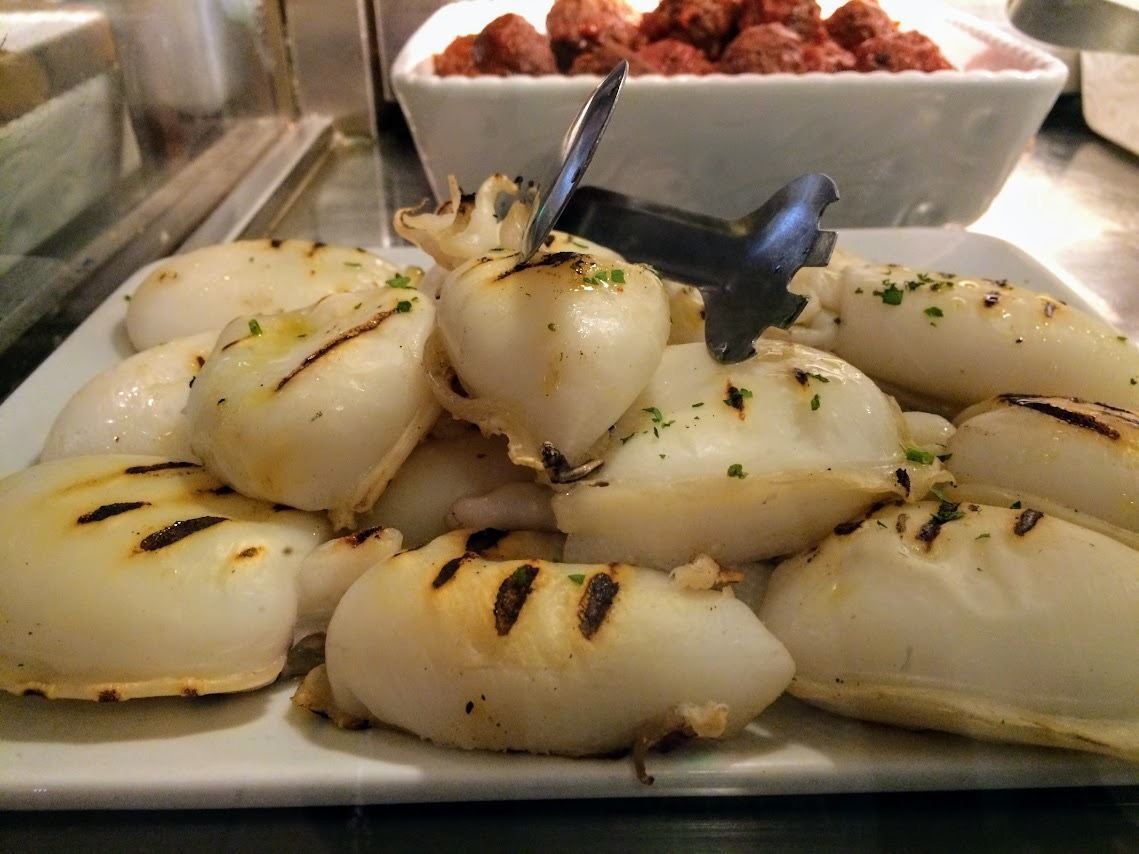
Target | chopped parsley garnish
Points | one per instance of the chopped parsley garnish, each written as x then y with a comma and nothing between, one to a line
520,576
254,327
553,327
917,455
947,512
736,470
819,377
892,294
934,311
398,281
1120,337
577,578
815,403
618,277
1016,505
745,392
697,405
403,306
357,305
654,414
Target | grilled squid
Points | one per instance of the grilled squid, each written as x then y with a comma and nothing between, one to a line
317,408
134,407
530,654
134,576
549,353
440,472
946,341
207,288
997,623
741,462
1067,457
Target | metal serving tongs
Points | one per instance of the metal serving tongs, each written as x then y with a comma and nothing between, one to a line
741,267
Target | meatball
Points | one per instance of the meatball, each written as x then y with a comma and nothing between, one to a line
856,21
575,26
764,49
670,56
802,17
457,59
900,52
828,56
600,59
510,45
707,24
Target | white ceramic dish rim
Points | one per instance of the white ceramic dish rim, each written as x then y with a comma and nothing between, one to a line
255,750
410,66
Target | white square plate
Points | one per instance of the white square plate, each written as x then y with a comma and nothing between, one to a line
256,750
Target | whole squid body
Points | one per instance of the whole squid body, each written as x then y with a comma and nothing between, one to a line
742,462
998,623
475,643
944,341
317,408
128,576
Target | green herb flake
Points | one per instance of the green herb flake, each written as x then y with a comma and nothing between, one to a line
917,455
403,306
947,512
1120,337
617,277
983,536
356,306
697,405
577,578
934,311
881,524
940,495
815,403
1134,381
553,327
820,378
858,290
127,297
254,327
745,392
601,276
736,470
892,294
654,414
354,264
1016,505
398,281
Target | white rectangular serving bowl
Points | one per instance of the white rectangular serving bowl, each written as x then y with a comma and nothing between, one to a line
905,148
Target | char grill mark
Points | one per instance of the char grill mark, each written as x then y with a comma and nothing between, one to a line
1026,521
160,467
361,537
1076,419
178,531
485,539
929,531
106,511
801,376
845,528
551,260
367,326
600,591
903,478
901,522
109,695
991,299
276,242
512,595
735,399
448,570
